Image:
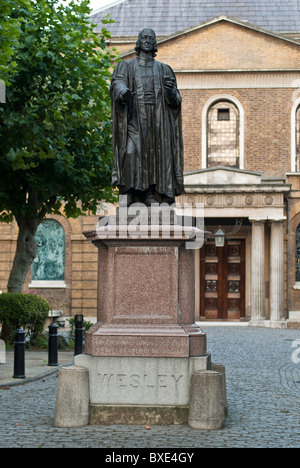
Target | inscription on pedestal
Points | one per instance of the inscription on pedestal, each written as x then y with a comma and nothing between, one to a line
138,380
141,381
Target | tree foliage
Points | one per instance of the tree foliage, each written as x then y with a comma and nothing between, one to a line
55,128
9,33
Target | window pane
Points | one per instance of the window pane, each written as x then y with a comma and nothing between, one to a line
223,135
298,140
223,114
298,254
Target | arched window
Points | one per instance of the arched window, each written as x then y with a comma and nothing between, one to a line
223,135
49,264
297,254
297,135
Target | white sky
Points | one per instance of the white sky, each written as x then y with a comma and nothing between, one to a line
96,4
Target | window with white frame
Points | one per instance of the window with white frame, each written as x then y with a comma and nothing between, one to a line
297,136
297,255
223,135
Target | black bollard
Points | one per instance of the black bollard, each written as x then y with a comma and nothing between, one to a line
19,355
52,347
78,335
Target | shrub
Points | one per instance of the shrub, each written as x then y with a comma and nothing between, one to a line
25,311
86,326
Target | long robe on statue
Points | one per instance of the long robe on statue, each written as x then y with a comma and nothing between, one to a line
147,131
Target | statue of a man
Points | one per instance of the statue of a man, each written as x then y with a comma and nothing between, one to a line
147,127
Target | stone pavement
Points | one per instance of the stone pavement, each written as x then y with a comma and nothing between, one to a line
36,366
263,390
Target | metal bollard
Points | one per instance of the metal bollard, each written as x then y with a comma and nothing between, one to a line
52,347
78,335
19,355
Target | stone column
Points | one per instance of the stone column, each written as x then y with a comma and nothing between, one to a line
277,271
258,270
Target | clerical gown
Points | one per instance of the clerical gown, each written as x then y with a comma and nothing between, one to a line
147,131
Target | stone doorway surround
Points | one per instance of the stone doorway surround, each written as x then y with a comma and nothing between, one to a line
227,192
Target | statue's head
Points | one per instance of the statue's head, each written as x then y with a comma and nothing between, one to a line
146,41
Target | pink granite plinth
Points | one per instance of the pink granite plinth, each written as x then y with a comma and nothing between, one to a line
146,297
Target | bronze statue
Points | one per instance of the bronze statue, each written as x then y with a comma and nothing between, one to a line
147,127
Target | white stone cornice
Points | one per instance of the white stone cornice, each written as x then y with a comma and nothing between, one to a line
194,79
257,219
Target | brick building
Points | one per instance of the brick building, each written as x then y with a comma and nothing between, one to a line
238,72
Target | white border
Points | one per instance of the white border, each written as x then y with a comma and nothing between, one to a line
207,105
296,104
48,284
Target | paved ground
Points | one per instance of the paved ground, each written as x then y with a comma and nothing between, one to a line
263,387
36,365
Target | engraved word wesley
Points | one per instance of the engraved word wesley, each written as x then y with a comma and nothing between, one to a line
141,380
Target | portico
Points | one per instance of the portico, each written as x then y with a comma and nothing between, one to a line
256,204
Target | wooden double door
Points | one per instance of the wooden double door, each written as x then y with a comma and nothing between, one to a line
222,276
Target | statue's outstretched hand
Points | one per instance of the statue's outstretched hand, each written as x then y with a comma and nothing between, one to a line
125,96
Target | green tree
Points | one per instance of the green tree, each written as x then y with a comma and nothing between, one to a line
9,33
55,128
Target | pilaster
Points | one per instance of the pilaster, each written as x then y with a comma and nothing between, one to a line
277,270
258,270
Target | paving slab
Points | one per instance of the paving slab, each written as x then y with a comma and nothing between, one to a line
36,366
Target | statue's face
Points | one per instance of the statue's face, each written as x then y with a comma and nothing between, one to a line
147,40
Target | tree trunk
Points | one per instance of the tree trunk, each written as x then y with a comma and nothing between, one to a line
25,254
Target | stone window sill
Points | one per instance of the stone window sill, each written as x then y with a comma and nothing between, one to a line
48,284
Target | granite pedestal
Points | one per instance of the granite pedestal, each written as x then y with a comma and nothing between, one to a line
145,346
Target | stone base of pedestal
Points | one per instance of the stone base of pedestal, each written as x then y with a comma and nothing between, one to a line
138,415
137,390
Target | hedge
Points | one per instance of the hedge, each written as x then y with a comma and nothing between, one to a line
27,311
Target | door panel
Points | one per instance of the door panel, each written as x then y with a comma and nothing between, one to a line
222,276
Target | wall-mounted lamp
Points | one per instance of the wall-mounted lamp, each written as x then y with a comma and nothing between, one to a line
220,238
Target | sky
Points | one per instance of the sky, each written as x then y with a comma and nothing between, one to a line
95,4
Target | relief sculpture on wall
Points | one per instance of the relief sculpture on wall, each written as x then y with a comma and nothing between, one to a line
49,264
